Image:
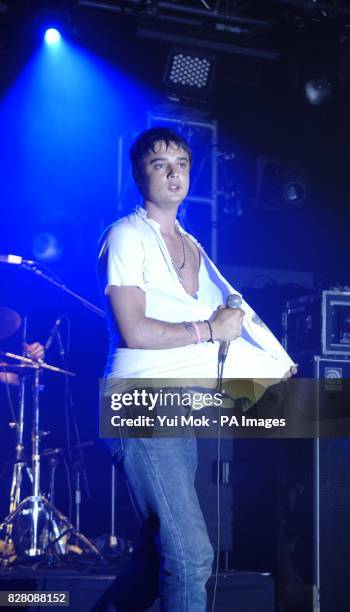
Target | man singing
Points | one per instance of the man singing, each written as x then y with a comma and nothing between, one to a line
164,305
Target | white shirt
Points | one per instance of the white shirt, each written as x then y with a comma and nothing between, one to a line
133,253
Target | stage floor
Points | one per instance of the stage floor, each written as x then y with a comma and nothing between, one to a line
239,591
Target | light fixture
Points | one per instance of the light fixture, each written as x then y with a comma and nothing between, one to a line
47,247
52,36
318,91
281,184
189,71
294,192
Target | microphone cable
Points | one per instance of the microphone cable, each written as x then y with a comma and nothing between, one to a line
218,510
232,301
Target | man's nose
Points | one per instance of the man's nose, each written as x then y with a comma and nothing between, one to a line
172,170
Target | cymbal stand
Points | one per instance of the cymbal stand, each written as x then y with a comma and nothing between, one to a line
20,463
34,549
45,520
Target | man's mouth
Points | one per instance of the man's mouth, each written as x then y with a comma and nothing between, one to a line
174,187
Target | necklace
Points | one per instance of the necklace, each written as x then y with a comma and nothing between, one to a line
179,269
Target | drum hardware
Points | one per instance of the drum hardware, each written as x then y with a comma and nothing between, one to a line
36,506
46,527
54,456
18,425
10,322
27,364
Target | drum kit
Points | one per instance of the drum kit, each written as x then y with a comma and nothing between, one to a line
34,528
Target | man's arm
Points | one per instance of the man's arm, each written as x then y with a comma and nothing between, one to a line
34,351
140,332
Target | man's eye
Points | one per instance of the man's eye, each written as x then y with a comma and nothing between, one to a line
183,164
158,166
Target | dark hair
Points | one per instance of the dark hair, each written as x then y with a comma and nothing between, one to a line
145,142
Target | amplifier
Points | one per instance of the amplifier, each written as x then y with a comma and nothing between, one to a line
331,369
318,323
331,476
332,395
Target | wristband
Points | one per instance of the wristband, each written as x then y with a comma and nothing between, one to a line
198,334
210,330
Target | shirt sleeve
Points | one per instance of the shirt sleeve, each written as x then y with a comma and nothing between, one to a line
121,258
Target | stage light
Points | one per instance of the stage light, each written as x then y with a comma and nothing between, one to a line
52,36
318,91
47,247
189,70
294,192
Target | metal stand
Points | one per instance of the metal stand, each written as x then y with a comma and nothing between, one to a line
113,541
79,470
20,463
46,526
115,547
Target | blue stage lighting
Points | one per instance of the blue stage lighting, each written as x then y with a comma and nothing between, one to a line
52,36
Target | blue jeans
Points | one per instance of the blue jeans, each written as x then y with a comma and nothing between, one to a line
175,550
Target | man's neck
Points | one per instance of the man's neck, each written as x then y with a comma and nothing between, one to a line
165,217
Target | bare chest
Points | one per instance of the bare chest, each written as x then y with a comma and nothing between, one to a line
185,259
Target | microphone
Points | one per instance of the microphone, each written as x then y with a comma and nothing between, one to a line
53,333
232,301
17,260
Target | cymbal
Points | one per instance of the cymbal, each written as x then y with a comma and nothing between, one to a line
30,364
10,321
17,368
9,378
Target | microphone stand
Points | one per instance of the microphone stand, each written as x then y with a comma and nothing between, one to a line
54,280
57,282
78,463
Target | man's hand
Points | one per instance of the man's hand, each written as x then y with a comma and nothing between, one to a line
227,324
34,351
292,370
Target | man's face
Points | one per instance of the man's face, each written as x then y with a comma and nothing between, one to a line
164,179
